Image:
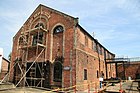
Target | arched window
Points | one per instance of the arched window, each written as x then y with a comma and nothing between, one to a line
39,25
57,72
37,38
58,29
23,40
20,41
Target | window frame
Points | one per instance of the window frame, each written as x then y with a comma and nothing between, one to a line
85,74
97,74
58,29
40,24
37,38
86,40
57,72
94,46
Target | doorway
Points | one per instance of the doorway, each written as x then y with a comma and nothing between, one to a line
57,74
47,75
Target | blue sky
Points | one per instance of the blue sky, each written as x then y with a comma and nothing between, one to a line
115,23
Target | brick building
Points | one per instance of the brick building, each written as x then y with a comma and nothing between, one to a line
52,49
131,69
4,67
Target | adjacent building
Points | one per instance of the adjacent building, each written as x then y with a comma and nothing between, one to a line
4,68
129,70
4,65
51,49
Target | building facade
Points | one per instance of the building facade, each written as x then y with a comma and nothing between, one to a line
51,49
130,70
4,68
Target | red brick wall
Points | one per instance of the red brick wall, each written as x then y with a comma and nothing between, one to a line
4,69
131,70
77,51
65,42
89,59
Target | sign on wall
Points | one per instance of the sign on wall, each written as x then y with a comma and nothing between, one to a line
67,68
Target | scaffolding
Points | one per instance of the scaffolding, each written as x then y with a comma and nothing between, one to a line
31,57
29,65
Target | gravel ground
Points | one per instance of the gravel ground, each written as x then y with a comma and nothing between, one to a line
23,90
128,86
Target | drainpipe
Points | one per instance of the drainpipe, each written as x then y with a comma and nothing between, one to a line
105,65
99,60
74,49
70,68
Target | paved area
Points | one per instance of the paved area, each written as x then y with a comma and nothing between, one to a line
23,90
6,85
129,87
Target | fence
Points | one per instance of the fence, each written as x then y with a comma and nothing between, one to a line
93,87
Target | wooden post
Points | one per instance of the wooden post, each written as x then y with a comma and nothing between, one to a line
121,91
88,88
95,87
75,89
116,68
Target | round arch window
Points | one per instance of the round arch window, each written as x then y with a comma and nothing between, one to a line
40,25
58,29
20,41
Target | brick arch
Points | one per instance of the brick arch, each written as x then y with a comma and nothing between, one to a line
58,24
52,40
57,61
43,20
20,40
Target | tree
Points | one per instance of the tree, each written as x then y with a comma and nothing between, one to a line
9,57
